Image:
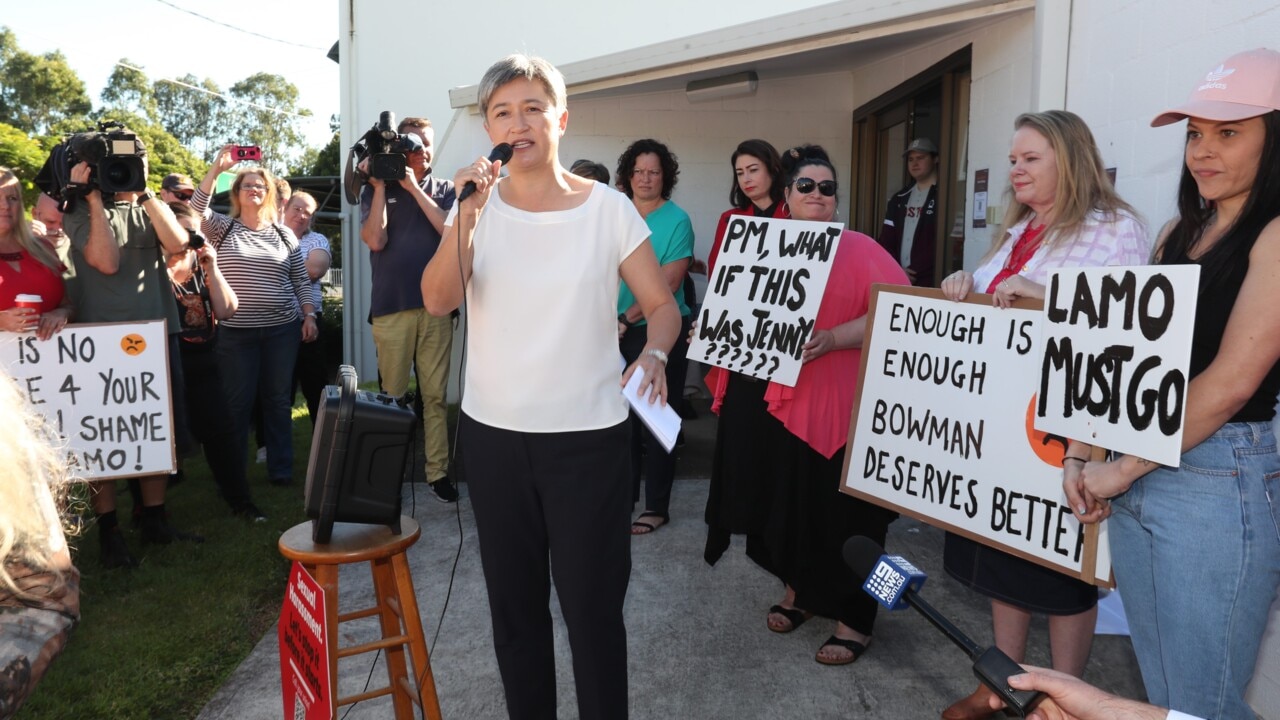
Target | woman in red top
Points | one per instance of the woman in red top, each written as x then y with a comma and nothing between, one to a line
780,450
757,188
27,267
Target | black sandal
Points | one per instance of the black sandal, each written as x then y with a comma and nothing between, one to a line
852,646
645,528
795,616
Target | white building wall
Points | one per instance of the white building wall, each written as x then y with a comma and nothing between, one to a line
406,56
784,111
1001,89
1131,60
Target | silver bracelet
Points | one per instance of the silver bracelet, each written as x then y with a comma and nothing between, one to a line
661,356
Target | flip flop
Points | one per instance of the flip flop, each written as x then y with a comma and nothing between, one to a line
852,646
796,616
644,528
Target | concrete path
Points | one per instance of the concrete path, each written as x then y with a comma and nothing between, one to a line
699,647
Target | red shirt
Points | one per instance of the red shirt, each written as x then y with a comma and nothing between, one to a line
31,278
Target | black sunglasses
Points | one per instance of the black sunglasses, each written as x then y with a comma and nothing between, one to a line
805,185
183,195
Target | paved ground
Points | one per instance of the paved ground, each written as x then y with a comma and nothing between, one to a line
698,643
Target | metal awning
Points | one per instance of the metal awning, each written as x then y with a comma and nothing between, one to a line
780,46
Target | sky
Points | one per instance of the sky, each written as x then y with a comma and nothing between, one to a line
166,40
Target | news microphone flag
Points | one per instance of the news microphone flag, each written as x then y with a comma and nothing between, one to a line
890,580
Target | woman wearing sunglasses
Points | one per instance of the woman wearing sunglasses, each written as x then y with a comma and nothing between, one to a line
1063,213
780,450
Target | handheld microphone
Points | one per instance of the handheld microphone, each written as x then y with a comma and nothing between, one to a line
895,583
501,151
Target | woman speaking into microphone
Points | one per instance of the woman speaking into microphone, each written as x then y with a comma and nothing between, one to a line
543,431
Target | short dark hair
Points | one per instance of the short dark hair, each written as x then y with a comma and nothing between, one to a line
1260,208
627,165
765,153
590,169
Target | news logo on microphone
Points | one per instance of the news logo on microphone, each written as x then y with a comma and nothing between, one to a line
891,578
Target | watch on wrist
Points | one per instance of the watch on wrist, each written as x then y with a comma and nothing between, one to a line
145,196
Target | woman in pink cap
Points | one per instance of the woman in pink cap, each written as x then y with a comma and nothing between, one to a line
1195,547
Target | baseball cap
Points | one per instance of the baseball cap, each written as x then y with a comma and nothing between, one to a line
924,145
177,181
1243,86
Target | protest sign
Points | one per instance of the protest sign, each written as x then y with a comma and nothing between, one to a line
763,296
305,682
943,428
1116,351
105,389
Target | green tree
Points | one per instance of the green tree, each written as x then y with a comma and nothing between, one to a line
129,90
37,91
197,118
268,116
322,161
24,155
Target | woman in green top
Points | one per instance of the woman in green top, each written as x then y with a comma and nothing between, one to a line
647,173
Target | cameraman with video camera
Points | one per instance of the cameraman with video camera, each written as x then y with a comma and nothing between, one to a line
401,222
123,238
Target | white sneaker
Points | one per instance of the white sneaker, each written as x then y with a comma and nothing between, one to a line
262,456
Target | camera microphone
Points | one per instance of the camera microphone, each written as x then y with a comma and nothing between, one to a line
895,583
501,151
387,125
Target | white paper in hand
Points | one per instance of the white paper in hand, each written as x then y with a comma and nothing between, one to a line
661,420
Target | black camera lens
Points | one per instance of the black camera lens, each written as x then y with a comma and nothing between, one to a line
195,240
121,174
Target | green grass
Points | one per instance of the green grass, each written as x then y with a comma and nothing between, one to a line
157,641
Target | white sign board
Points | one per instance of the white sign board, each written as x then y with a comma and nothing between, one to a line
1116,350
763,296
105,388
942,428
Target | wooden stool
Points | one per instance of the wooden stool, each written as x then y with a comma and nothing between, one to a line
397,606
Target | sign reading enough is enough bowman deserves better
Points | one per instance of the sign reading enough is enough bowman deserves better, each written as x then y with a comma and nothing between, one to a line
943,428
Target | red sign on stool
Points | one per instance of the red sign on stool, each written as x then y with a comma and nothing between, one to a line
304,644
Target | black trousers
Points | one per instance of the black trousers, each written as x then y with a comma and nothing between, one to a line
313,370
647,453
211,423
553,505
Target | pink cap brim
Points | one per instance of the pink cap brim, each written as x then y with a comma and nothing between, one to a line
1215,110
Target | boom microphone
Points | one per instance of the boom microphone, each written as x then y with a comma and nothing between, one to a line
501,151
895,583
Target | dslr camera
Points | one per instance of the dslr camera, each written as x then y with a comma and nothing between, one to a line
386,151
114,154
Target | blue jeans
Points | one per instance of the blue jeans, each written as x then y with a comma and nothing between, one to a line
1197,557
259,361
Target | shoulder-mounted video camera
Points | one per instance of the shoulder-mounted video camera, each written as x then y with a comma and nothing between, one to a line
386,150
114,154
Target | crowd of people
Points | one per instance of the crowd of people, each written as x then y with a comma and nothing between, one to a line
553,463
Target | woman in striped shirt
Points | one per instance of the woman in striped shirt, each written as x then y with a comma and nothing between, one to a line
258,346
